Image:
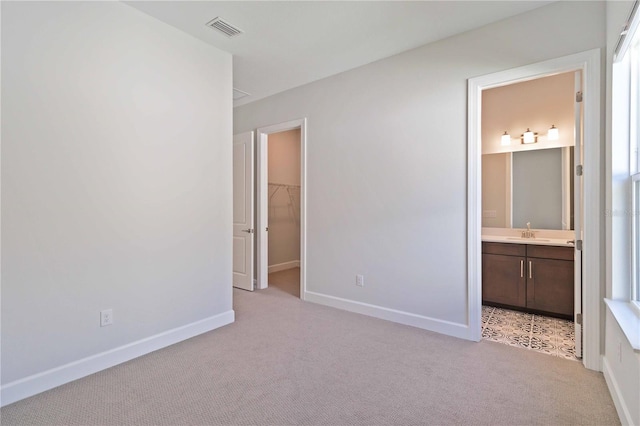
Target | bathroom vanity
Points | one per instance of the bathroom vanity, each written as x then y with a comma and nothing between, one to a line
535,276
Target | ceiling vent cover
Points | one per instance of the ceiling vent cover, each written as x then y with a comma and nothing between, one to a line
224,27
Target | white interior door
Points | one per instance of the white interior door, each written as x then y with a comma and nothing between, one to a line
578,196
243,230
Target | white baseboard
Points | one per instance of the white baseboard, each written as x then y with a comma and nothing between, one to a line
461,331
37,383
616,395
283,266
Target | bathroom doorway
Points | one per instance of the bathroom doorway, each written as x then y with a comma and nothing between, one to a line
499,216
281,203
530,267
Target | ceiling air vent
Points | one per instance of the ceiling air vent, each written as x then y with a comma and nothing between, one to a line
239,94
224,27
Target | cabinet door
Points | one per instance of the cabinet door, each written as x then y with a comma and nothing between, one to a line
550,285
503,279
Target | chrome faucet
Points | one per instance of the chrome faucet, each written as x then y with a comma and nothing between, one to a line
528,233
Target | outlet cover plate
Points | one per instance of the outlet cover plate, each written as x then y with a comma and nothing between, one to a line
106,317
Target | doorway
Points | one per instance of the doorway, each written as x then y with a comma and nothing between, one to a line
587,303
283,211
528,287
281,201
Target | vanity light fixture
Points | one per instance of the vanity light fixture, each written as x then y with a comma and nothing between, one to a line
506,139
529,137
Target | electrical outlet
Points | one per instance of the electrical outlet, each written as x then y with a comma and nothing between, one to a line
106,317
360,280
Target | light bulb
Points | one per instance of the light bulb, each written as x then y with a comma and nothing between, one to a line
528,137
506,139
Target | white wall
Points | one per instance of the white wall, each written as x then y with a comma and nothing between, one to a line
622,370
116,183
284,205
386,164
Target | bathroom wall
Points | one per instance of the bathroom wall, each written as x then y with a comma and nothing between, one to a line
496,202
284,205
387,164
535,104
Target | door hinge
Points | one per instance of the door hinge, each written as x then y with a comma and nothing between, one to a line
578,96
579,170
579,245
579,318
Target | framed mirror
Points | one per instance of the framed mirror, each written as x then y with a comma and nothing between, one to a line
533,186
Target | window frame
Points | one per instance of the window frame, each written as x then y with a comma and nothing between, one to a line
635,240
623,251
630,57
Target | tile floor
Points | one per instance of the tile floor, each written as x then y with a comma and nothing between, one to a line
548,335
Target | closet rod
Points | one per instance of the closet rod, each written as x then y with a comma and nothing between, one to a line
284,185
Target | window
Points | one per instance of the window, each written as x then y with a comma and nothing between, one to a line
635,238
631,61
626,123
634,143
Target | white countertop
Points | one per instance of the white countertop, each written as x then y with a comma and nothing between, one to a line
542,241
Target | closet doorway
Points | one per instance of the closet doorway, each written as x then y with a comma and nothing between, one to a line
281,203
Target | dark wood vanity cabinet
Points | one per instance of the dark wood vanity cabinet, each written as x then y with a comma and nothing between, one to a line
534,277
503,274
550,279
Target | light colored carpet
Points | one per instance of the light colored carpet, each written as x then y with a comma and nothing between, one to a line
286,362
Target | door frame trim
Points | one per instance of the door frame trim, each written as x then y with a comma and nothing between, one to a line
263,200
589,63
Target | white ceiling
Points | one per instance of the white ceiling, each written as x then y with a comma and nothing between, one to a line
290,43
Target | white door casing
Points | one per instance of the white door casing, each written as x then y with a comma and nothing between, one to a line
578,196
589,64
263,133
243,195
